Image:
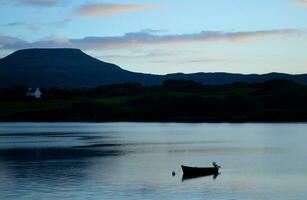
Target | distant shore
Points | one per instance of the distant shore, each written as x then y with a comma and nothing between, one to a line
174,101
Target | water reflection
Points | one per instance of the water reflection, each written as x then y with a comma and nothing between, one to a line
52,166
41,154
189,177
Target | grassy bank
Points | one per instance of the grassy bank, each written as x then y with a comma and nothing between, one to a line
176,100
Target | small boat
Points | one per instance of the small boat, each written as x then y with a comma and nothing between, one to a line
200,171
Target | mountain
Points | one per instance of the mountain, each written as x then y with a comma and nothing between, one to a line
63,68
71,68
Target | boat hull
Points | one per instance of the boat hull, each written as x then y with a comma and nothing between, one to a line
199,171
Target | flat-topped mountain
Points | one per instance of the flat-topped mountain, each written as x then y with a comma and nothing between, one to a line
71,68
60,67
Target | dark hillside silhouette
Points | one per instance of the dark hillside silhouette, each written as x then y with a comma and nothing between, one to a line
174,100
71,68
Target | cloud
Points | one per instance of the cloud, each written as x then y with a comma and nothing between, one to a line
141,54
34,28
7,41
301,3
61,22
41,3
106,9
153,31
12,24
137,39
30,27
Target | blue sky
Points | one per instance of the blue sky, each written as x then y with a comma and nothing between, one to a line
241,36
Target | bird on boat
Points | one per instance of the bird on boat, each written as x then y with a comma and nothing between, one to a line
215,165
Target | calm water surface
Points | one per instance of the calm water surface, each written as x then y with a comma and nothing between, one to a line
136,160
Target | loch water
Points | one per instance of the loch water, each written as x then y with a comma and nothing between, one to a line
136,160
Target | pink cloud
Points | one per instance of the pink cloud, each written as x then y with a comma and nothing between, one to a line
105,9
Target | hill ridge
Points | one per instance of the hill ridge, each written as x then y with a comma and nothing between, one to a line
72,68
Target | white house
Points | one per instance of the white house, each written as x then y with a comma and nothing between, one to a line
34,93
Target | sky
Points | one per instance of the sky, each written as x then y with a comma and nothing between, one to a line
165,36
